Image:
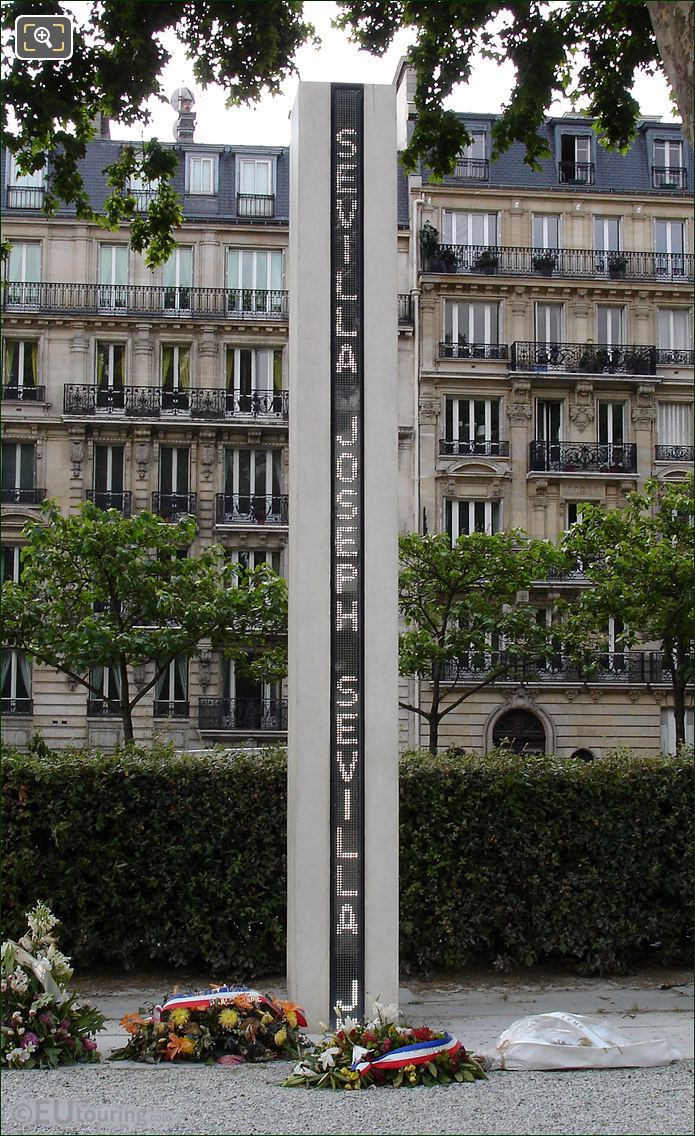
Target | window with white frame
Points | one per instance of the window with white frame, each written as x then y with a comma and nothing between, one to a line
472,426
469,228
549,323
611,423
176,376
253,380
673,329
201,174
668,171
177,279
472,324
24,190
17,470
464,517
252,558
254,280
251,474
16,682
472,159
113,276
20,359
669,246
668,729
24,274
105,695
546,231
252,705
256,189
674,429
575,159
108,477
110,366
174,465
609,325
573,514
171,690
11,563
607,234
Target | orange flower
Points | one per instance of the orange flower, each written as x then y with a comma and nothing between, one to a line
243,1003
292,1011
179,1045
131,1022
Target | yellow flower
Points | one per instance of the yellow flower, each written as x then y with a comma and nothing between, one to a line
291,1019
178,1017
229,1019
409,1069
187,1046
280,1037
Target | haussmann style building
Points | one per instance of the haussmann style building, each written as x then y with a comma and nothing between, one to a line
545,359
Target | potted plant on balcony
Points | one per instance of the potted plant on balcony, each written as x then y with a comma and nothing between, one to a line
487,262
616,266
429,246
544,262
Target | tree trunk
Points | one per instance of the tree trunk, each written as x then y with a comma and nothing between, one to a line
679,679
672,21
433,718
126,708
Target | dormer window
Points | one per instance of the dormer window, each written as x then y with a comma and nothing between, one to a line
472,162
256,195
576,167
24,191
201,174
668,171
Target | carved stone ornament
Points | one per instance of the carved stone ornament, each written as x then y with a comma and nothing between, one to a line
204,667
582,411
142,457
139,676
428,409
519,407
644,406
76,455
207,461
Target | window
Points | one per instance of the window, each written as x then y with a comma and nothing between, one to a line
252,705
177,279
110,375
255,179
24,191
201,174
252,483
464,517
174,496
11,563
668,729
609,325
171,690
474,325
255,280
669,245
674,329
607,234
611,423
253,379
549,318
520,731
176,377
18,473
472,426
24,274
108,490
469,228
251,558
105,698
546,231
576,167
113,276
16,682
674,429
19,369
668,171
472,160
573,515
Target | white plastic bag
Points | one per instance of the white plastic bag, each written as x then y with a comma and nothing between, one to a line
569,1041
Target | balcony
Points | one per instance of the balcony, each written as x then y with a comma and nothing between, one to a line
103,708
674,453
173,506
144,300
405,309
204,404
584,358
25,196
17,496
669,177
575,173
449,447
110,499
674,357
254,715
465,350
609,667
583,457
256,205
577,264
23,394
175,709
17,706
472,169
245,509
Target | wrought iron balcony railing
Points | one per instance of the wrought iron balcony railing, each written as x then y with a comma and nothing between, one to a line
669,177
610,666
174,709
473,350
255,204
575,173
674,453
251,509
138,300
674,357
172,506
472,169
405,309
586,264
584,358
154,402
25,196
23,394
583,457
103,708
449,447
142,198
254,714
110,499
23,706
16,496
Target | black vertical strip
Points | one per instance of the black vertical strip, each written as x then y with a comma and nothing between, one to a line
347,908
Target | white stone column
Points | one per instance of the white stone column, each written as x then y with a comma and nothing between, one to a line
311,935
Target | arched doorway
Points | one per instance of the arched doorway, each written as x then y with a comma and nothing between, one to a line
520,731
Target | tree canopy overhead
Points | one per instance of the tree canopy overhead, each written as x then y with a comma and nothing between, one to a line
588,48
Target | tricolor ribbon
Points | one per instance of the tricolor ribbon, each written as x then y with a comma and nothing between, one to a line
203,999
418,1054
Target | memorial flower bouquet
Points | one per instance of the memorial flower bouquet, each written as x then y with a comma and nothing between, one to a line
356,1056
43,1023
227,1024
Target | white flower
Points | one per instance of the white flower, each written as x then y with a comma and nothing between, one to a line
19,981
359,1053
19,1056
41,920
388,1014
303,1070
347,1025
326,1058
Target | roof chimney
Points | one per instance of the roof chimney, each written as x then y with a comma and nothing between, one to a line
183,102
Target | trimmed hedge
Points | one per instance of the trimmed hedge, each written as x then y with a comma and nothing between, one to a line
506,860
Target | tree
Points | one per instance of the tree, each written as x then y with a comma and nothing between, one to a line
590,49
463,615
639,561
101,590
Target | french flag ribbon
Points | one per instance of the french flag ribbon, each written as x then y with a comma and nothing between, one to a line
418,1054
202,999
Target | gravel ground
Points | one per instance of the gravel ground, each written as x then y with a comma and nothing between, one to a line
126,1098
